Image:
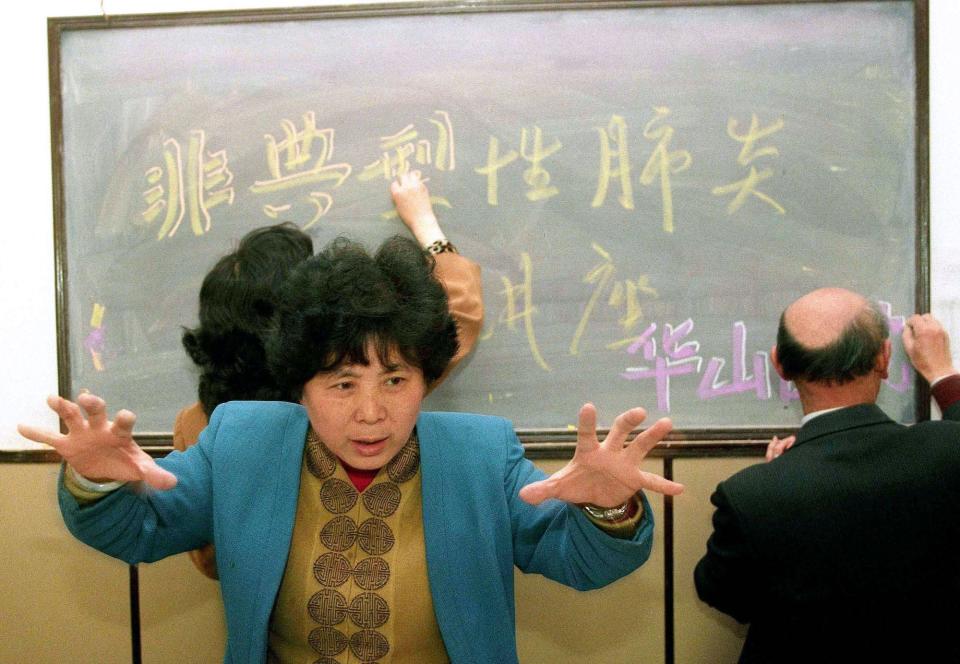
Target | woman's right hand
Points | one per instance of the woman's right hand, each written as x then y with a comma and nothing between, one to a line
412,200
97,448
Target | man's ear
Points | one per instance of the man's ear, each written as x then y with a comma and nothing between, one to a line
775,359
882,365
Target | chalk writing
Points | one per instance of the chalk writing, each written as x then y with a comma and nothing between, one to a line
291,163
711,385
901,373
398,149
747,374
622,294
748,153
788,391
614,163
535,176
406,148
192,180
678,359
662,162
95,341
196,187
519,307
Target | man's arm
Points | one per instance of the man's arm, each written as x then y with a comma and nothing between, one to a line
726,576
928,346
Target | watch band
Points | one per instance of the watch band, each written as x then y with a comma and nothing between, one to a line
440,247
89,485
609,514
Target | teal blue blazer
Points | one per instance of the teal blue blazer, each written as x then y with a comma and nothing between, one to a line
238,486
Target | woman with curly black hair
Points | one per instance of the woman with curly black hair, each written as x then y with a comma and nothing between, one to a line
352,526
237,302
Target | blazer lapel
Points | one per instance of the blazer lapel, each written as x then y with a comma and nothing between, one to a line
439,501
281,509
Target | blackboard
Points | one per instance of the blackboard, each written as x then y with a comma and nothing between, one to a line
645,185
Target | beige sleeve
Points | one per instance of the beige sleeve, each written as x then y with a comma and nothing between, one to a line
460,278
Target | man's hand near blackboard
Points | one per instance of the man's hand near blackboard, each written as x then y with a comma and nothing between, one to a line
95,447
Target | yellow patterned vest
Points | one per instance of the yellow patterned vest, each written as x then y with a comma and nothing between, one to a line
355,587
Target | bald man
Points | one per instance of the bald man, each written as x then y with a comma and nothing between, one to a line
846,547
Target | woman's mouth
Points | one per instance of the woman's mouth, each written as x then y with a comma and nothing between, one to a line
369,446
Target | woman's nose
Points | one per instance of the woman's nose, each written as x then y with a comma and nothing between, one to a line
369,407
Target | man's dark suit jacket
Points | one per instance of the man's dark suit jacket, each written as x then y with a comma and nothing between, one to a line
847,547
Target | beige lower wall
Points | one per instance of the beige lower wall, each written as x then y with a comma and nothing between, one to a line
181,613
62,601
620,623
701,634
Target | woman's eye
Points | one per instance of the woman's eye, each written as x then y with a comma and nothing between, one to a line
395,380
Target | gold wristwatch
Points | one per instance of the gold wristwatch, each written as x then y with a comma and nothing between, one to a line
611,514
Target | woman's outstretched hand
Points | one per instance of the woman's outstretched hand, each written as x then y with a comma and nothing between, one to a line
606,473
97,448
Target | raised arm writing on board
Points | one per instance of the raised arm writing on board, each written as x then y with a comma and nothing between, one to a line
927,344
459,275
96,448
412,200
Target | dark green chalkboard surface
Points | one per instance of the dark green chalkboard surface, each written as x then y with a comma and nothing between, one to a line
644,186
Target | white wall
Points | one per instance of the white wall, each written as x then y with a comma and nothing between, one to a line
28,350
945,164
28,368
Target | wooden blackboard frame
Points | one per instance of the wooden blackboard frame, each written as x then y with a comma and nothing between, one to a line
541,441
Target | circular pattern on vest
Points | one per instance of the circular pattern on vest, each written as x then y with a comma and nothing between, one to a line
332,569
368,610
376,537
382,499
369,646
320,461
328,607
328,641
404,465
372,573
338,496
339,534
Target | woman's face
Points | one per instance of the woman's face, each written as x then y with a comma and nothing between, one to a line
364,414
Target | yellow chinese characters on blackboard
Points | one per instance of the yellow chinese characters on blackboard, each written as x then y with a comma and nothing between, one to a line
301,165
190,184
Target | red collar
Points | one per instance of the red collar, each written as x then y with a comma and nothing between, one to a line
360,479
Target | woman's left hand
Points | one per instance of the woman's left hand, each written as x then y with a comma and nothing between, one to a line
606,473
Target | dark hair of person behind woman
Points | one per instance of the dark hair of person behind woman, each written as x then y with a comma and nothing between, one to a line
851,355
337,302
237,304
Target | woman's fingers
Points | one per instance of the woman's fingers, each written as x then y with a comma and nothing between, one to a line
647,439
68,411
45,436
123,424
96,409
